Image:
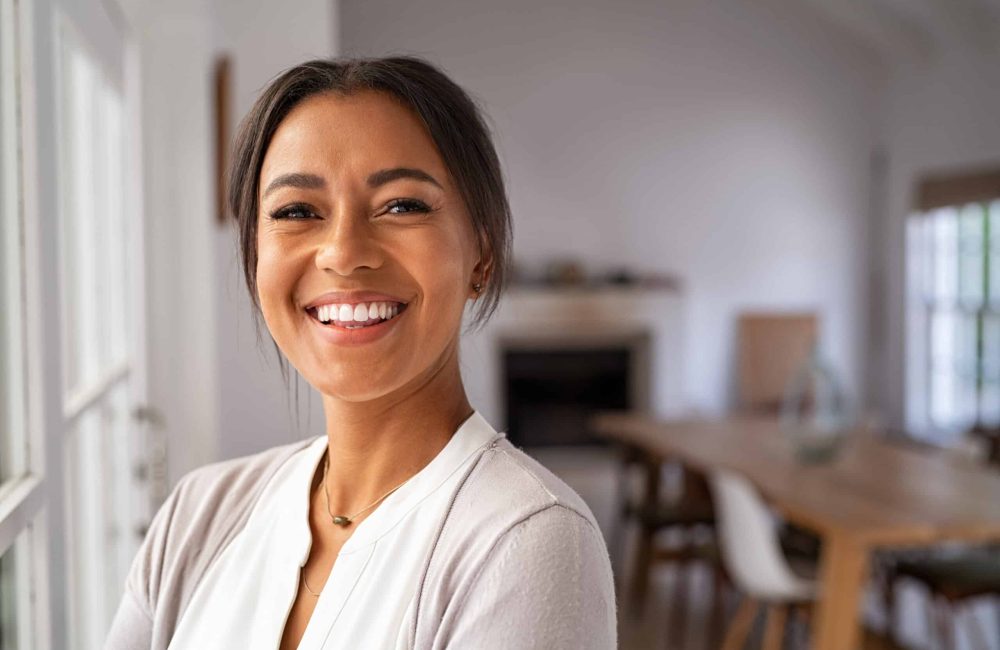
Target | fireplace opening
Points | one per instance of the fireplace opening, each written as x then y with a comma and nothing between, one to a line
549,394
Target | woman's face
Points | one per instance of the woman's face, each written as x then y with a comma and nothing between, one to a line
359,220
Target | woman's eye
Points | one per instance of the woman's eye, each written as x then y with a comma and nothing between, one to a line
405,206
293,212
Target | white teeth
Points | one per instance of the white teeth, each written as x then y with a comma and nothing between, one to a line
359,313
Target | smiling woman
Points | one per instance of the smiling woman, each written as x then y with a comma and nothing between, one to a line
372,213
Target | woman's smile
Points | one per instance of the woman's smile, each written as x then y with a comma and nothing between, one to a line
346,319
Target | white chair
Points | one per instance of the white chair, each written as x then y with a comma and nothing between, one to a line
751,553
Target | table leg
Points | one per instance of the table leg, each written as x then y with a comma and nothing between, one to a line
842,575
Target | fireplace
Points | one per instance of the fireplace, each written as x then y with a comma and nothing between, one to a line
562,353
551,387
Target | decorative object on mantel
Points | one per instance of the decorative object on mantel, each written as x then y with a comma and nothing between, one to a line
815,413
570,272
565,272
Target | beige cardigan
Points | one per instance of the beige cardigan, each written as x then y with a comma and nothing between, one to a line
519,561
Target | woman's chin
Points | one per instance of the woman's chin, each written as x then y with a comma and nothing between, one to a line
354,388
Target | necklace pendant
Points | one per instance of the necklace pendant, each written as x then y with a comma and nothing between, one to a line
341,520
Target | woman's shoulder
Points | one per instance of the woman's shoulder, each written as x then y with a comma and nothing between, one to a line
519,560
510,485
505,491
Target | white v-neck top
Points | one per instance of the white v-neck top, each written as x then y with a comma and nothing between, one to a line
484,548
245,597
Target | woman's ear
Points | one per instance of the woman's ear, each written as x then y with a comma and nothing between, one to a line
482,272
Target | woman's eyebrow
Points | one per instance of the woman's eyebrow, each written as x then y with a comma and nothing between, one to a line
384,176
302,181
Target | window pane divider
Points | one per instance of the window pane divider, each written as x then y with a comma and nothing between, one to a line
81,399
20,501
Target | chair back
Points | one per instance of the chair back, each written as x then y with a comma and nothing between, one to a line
772,347
749,540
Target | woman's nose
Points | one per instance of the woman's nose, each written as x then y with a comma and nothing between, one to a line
348,245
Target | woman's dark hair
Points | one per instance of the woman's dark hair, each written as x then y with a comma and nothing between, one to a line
450,116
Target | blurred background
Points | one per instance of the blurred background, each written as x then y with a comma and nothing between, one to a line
780,211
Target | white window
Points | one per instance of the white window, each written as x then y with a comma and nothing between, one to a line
954,352
20,486
104,443
73,498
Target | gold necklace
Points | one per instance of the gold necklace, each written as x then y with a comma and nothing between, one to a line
347,520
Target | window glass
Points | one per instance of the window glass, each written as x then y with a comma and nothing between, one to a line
961,294
93,264
101,438
14,595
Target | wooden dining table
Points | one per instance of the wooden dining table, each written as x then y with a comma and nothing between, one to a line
874,494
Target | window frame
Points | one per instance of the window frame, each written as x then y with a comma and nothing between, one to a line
23,495
973,197
21,492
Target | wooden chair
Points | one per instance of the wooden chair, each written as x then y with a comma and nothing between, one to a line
952,582
653,515
771,348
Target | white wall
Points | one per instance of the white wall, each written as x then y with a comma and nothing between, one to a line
943,114
727,142
263,38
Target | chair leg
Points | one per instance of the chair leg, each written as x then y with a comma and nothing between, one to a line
805,616
617,550
889,602
736,635
643,565
678,604
945,624
644,550
717,619
774,631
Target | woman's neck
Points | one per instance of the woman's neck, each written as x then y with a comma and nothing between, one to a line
376,445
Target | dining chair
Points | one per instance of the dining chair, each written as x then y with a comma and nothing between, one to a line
952,581
751,552
989,440
771,347
684,516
